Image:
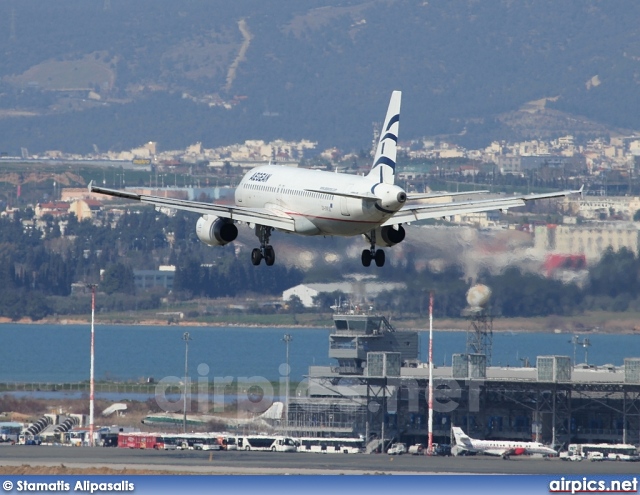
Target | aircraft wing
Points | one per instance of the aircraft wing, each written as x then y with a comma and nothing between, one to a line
367,197
498,452
262,216
442,194
412,213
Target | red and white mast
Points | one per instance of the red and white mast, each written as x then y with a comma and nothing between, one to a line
430,423
91,381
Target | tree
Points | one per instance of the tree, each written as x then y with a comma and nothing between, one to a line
118,278
295,305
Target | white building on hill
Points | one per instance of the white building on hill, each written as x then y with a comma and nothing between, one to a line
356,290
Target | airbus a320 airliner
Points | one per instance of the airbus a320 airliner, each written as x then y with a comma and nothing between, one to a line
313,202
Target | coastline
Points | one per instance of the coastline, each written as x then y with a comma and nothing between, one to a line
594,323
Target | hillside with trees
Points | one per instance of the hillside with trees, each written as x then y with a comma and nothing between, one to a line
79,73
39,266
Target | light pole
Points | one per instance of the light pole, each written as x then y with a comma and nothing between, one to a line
287,339
585,343
91,373
186,339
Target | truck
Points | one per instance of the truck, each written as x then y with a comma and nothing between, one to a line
397,449
416,449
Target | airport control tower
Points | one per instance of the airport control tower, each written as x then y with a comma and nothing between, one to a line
358,331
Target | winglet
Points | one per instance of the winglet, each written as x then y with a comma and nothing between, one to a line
90,185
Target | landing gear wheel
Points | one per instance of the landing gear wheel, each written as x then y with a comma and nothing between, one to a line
269,255
366,257
256,257
379,257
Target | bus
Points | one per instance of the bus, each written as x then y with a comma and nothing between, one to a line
609,451
137,440
231,443
333,445
274,443
10,431
211,441
165,442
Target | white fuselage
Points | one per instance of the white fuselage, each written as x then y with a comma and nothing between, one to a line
319,212
494,446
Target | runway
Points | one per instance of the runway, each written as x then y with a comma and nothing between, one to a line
240,462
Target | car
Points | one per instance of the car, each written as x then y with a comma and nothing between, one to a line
443,449
595,456
397,449
571,457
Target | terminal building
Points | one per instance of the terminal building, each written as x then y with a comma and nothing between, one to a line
378,390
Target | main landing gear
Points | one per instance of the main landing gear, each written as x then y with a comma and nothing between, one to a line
265,250
372,253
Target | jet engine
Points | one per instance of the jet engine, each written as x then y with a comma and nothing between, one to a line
216,231
389,236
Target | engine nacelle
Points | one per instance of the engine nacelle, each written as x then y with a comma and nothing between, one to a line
389,236
216,231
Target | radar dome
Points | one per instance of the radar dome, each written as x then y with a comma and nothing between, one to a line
478,296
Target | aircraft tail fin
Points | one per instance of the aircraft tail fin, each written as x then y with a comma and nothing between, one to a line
384,162
274,412
462,440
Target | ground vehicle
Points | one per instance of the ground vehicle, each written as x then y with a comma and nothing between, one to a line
397,449
165,442
595,456
210,442
10,431
416,449
443,449
274,443
330,445
231,443
608,451
137,440
108,440
26,439
570,457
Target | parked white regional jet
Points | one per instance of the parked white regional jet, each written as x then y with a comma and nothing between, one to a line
313,202
503,448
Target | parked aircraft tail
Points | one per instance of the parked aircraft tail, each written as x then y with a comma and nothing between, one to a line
384,162
462,440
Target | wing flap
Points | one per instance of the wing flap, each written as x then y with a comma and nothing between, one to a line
261,216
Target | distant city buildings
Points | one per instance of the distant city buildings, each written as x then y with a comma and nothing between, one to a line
162,277
589,224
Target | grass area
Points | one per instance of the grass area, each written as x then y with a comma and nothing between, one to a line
169,316
194,313
104,386
280,319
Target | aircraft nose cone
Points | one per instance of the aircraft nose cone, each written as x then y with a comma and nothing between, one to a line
402,197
